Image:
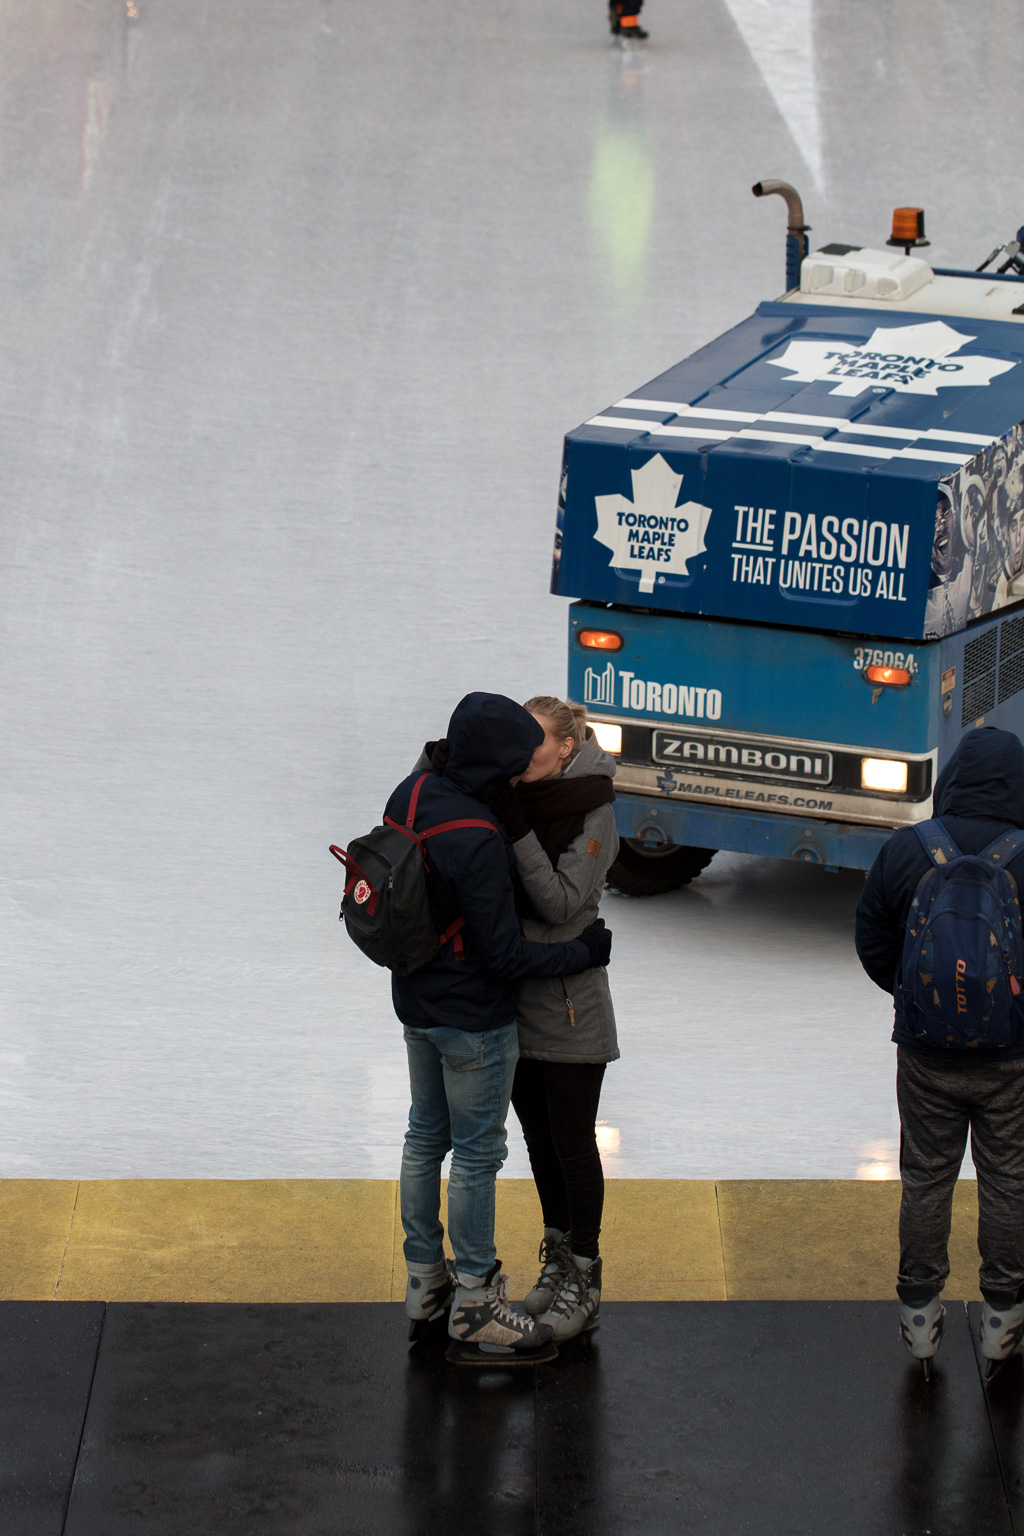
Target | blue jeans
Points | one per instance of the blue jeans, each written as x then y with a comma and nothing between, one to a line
461,1082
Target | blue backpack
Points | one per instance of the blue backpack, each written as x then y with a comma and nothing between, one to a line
960,978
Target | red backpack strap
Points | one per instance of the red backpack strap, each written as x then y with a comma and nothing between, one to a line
455,826
453,935
414,798
445,826
407,830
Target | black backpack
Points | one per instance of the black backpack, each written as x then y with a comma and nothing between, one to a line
386,906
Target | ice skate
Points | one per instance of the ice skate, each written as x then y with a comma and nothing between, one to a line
486,1331
555,1256
577,1306
921,1330
1002,1329
428,1296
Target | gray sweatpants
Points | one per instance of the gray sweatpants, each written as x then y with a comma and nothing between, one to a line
939,1100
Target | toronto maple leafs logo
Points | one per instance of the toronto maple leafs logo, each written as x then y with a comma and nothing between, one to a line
651,534
913,359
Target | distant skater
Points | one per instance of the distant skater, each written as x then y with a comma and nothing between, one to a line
562,826
942,933
624,19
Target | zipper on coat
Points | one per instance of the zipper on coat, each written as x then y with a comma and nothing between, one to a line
568,1003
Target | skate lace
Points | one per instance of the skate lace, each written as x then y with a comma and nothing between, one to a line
498,1296
551,1257
570,1292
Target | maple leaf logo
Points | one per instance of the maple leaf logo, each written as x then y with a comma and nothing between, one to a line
913,359
651,534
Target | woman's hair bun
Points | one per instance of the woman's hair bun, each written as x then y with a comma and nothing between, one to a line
567,719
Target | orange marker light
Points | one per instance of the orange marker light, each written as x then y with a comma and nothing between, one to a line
907,228
907,223
888,677
600,639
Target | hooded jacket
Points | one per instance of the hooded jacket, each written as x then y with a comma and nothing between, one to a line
979,796
559,1020
490,738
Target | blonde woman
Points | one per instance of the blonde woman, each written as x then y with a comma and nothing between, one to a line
562,826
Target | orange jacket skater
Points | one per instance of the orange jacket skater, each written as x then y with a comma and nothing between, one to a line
624,17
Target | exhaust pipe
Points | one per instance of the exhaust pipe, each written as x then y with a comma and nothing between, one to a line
796,230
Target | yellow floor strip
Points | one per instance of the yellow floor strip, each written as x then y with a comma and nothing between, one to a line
35,1223
231,1240
341,1239
826,1239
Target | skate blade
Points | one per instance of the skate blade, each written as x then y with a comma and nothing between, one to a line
421,1328
926,1367
993,1368
489,1356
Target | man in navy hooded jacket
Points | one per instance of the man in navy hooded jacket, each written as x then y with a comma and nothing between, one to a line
460,1024
943,1093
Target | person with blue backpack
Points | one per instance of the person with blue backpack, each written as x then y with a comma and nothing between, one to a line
939,927
453,989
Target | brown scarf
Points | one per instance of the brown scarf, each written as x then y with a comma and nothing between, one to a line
557,808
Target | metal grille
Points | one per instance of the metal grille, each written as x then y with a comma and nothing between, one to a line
1011,676
1011,658
980,655
979,698
979,694
1011,637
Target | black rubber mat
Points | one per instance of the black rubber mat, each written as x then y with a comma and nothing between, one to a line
297,1419
723,1418
1005,1398
47,1358
795,1418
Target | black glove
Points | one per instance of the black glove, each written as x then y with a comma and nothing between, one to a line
506,805
598,940
437,751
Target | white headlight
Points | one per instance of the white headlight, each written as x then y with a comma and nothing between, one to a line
883,773
608,736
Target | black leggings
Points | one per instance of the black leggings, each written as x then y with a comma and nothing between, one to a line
557,1106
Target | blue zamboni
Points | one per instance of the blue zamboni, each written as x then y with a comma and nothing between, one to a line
799,560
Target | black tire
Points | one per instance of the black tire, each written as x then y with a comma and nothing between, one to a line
642,871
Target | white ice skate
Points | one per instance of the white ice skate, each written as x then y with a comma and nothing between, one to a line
428,1296
1002,1329
921,1331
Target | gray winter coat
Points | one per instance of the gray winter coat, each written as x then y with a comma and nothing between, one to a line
567,899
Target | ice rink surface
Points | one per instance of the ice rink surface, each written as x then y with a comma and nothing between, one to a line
297,300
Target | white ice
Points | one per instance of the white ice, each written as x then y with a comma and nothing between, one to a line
297,301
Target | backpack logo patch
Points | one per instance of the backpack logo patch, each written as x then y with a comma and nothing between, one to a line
362,892
961,994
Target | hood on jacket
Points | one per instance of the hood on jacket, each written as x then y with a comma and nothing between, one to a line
984,777
490,738
591,759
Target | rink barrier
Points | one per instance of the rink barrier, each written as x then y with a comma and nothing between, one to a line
291,1240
